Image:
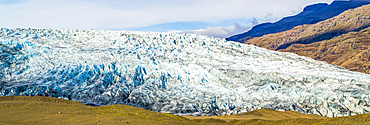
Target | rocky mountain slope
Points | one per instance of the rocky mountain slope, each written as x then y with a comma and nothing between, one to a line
310,15
174,73
342,40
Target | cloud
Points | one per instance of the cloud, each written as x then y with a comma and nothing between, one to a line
237,28
219,32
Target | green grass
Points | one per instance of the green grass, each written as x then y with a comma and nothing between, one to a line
46,110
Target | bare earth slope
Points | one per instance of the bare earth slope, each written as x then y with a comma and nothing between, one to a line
342,40
46,110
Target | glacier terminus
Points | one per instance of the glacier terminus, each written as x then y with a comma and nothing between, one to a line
173,73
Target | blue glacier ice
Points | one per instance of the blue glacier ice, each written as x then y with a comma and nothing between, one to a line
173,73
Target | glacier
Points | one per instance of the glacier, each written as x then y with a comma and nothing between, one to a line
174,73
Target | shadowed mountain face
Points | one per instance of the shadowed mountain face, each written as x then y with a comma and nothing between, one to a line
342,40
310,15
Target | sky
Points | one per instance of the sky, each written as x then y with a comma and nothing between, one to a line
216,18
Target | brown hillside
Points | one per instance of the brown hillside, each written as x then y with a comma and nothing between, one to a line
351,50
342,40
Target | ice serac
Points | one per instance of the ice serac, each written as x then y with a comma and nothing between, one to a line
310,15
173,73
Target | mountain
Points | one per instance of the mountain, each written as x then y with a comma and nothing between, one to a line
310,15
46,110
342,40
351,50
173,73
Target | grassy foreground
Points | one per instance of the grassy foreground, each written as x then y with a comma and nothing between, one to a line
46,110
